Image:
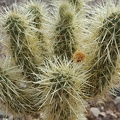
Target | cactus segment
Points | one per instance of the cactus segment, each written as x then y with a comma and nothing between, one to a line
39,43
103,64
61,86
78,4
12,96
65,41
16,26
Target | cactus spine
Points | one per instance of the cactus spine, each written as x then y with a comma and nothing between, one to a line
78,4
39,43
16,26
12,94
103,64
61,87
65,41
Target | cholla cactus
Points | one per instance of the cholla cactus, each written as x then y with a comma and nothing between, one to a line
78,4
17,28
58,87
38,11
66,28
61,85
17,96
105,27
12,96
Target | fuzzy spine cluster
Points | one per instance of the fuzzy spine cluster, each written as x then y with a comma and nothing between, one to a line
16,27
106,56
39,44
12,94
61,90
77,3
65,41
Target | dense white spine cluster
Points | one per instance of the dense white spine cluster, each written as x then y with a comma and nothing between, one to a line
62,94
105,25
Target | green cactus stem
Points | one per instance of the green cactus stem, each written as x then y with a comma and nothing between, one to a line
39,45
16,26
65,42
78,4
61,86
106,56
12,95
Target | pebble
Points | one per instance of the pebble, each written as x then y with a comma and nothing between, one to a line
98,118
28,117
102,114
102,108
107,118
95,111
1,112
110,112
10,117
118,107
117,100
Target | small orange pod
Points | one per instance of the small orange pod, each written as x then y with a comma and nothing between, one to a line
78,56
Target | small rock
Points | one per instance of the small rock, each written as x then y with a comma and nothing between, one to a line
5,119
102,114
28,117
118,114
1,112
102,108
110,112
10,117
107,118
95,111
113,115
98,118
117,100
118,107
